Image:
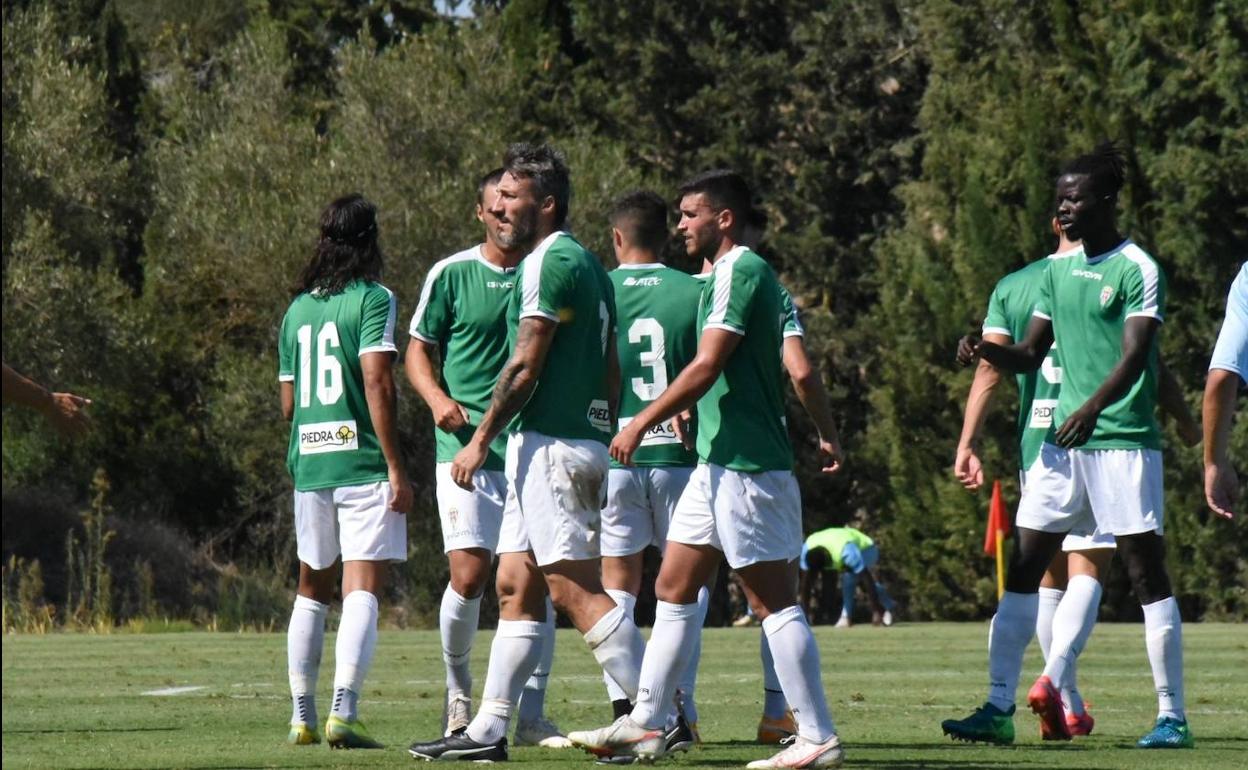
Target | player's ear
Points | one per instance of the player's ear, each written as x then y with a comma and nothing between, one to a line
617,238
480,213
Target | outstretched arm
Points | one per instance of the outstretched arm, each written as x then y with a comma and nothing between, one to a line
515,385
65,411
1137,338
808,384
966,465
714,349
1025,356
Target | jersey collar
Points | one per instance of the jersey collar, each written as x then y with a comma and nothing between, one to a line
480,255
1094,260
646,266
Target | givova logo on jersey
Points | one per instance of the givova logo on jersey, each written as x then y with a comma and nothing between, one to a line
320,437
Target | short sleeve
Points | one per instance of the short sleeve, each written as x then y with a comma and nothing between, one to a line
1144,290
997,321
732,296
1044,298
432,320
285,353
1231,351
377,318
792,319
545,287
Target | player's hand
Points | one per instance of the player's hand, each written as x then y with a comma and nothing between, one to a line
449,415
68,414
830,455
625,444
681,424
968,468
401,497
968,349
1078,428
466,464
1221,488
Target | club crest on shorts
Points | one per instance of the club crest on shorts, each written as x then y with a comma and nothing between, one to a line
1107,293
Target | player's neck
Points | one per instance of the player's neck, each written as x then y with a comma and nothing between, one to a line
1096,244
630,256
725,245
500,257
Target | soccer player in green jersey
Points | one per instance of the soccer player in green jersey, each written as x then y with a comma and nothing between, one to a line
1071,588
457,348
1102,306
556,393
656,338
351,491
742,502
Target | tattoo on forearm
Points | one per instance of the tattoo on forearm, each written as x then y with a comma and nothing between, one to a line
512,390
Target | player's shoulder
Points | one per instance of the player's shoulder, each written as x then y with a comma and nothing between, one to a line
1141,259
744,261
455,263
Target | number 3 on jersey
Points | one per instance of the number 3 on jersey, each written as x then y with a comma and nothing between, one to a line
328,368
655,358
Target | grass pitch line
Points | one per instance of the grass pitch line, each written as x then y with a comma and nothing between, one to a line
165,691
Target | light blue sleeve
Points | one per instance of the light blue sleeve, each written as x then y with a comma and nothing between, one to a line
851,557
1231,351
801,560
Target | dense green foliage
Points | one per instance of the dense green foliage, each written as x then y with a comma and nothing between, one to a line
164,165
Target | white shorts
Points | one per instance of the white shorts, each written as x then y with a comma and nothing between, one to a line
1073,543
555,495
470,519
751,517
1090,491
352,521
640,503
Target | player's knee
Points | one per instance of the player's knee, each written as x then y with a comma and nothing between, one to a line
675,589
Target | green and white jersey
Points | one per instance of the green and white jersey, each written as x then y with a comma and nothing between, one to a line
656,337
563,282
792,316
741,418
1089,301
463,310
1009,313
332,441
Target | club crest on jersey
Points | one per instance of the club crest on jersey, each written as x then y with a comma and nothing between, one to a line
320,437
1107,292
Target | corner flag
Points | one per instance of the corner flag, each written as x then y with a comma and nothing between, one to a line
998,530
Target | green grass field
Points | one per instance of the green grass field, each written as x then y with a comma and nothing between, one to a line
73,700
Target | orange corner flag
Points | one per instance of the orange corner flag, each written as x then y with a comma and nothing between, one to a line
998,520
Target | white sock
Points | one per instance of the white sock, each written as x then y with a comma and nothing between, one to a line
1163,633
458,620
671,642
774,704
533,696
353,652
1072,701
1008,636
1072,625
628,603
797,666
689,677
515,653
305,636
1049,599
618,647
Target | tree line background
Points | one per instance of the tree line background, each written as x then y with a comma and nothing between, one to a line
164,164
